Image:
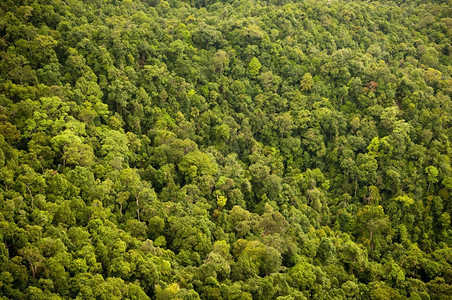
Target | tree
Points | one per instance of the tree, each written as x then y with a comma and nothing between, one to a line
306,82
197,163
254,258
221,61
326,250
254,67
29,182
432,176
373,219
303,276
34,258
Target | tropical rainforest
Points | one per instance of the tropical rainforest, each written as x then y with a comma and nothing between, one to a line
217,149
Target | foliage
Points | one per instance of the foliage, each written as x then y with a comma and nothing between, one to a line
225,149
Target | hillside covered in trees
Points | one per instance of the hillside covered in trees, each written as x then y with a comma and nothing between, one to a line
225,149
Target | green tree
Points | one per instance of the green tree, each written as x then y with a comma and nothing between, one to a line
432,176
254,67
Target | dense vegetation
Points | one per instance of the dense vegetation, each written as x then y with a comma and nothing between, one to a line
225,149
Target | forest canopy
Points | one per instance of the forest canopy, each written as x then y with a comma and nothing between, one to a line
225,149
